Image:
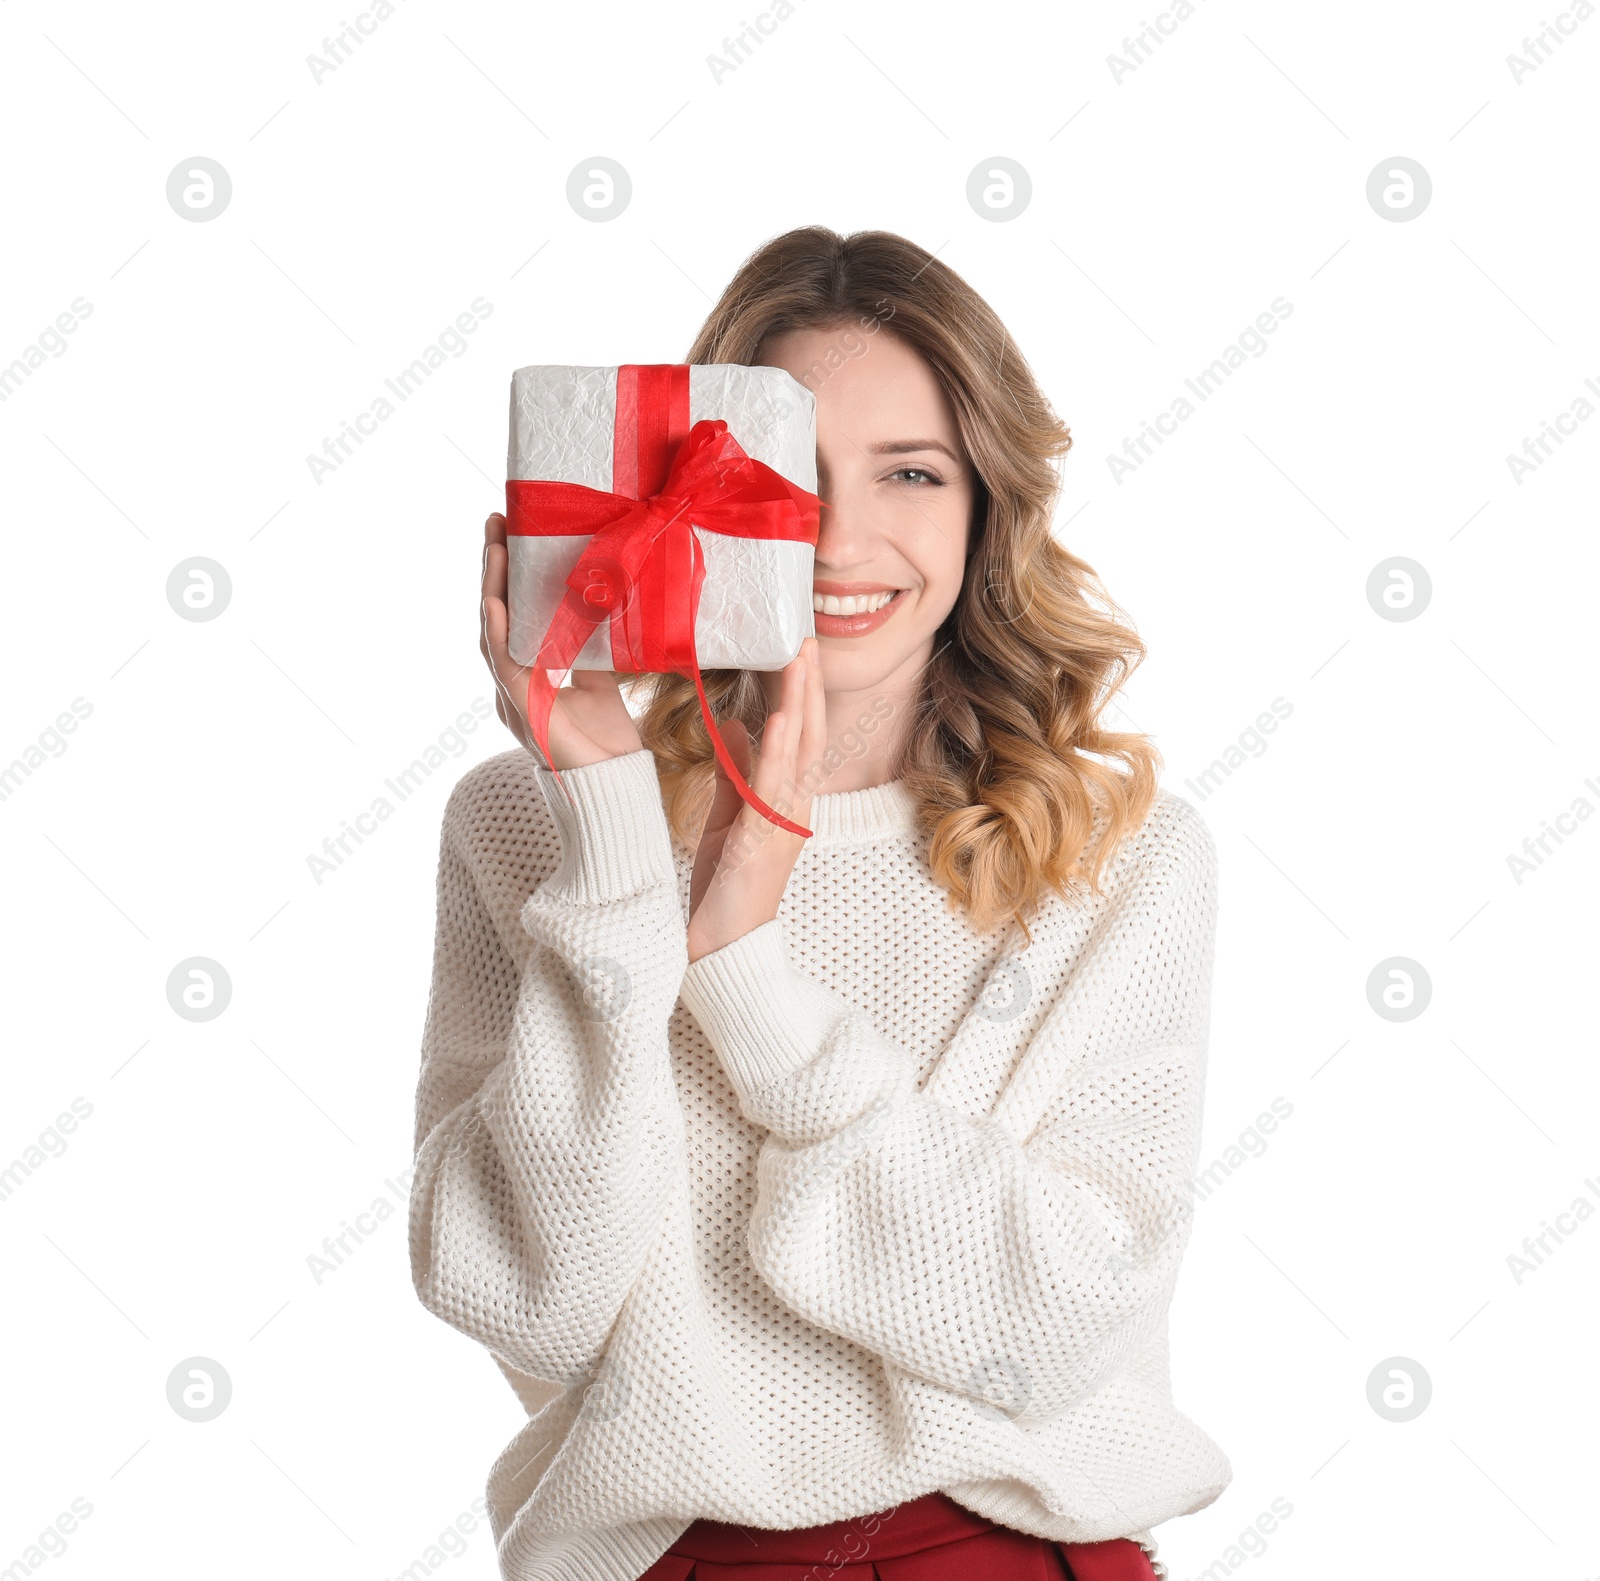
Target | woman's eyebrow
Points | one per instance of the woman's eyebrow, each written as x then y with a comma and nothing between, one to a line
900,447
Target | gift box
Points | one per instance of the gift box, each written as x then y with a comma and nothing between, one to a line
659,519
568,425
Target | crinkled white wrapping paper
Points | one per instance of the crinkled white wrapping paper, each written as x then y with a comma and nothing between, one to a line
755,603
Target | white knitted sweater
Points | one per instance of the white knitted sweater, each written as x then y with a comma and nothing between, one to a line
861,1206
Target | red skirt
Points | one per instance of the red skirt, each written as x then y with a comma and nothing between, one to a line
929,1539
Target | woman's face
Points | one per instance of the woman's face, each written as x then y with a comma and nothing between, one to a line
897,495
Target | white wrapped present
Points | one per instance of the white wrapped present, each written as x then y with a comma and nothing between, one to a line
617,432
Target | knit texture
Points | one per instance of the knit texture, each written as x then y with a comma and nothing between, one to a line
861,1206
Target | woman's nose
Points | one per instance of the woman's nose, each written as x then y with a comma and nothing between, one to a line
839,519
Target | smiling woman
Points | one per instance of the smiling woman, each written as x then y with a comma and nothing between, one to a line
917,490
822,1196
936,464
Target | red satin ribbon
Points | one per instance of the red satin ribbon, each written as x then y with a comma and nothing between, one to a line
643,567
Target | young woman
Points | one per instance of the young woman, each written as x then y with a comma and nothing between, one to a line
823,1198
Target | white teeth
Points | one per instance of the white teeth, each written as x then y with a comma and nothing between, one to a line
851,604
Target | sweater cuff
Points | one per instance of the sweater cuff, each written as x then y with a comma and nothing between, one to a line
614,837
753,1006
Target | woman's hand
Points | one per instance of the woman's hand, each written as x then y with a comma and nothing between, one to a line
589,722
743,862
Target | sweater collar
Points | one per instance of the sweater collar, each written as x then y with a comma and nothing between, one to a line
856,816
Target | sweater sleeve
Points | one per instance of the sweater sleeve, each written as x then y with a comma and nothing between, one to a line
549,1138
1018,1271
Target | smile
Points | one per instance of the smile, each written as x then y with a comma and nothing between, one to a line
851,604
853,614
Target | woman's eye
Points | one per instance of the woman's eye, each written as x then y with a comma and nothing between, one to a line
916,475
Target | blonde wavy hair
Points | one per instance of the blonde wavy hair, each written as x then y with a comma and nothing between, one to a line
1012,773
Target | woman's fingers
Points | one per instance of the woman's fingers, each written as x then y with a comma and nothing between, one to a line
494,625
737,740
588,721
494,593
494,560
510,678
494,532
727,803
777,772
722,811
767,780
596,681
795,685
814,731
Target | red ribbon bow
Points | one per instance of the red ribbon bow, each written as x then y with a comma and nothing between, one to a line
643,566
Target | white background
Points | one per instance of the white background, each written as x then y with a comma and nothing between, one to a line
1167,211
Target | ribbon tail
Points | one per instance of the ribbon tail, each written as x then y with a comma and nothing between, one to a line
682,645
731,769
